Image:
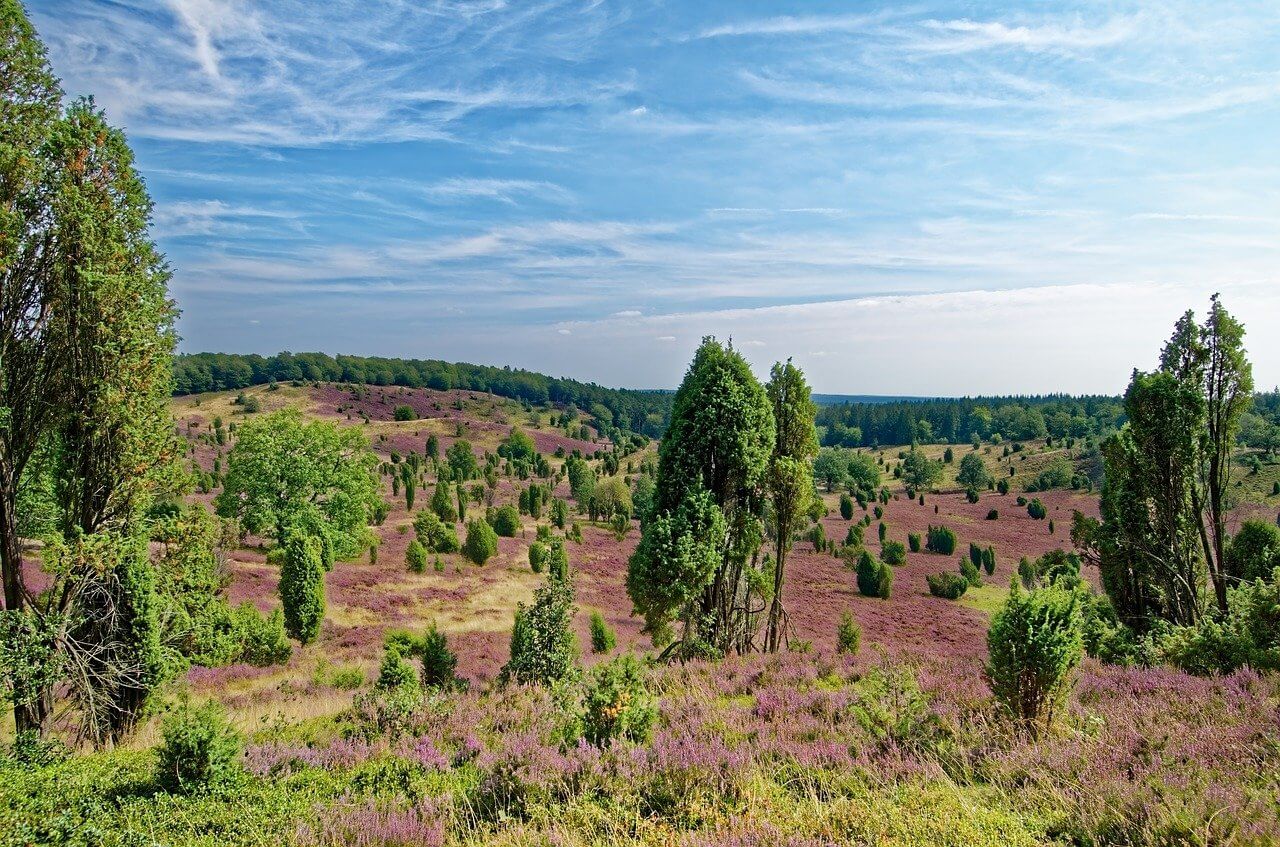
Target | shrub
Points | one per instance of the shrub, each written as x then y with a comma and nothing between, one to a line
940,540
416,557
1003,486
893,552
971,495
950,586
1254,551
879,512
347,678
302,587
1035,642
993,515
506,521
881,530
542,644
395,670
617,704
853,538
405,413
200,749
846,507
975,553
913,541
1021,501
848,635
875,578
434,534
439,664
1037,510
989,560
262,638
970,572
481,543
603,639
558,561
537,556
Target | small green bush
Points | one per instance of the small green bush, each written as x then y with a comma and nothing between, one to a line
913,541
262,638
893,552
439,664
537,556
617,704
199,750
405,413
950,586
853,538
506,521
848,635
875,578
970,572
603,638
395,670
434,534
1037,510
846,507
415,557
993,515
1035,642
481,543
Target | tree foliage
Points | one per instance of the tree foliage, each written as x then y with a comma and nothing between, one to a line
284,472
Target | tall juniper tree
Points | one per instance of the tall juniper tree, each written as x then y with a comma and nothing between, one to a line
86,340
696,561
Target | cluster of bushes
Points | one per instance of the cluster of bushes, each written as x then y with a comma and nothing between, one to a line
875,578
941,540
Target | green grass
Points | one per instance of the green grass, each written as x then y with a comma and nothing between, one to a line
986,598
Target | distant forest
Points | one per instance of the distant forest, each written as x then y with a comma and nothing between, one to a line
843,420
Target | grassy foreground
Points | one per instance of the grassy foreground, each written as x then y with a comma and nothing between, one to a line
788,750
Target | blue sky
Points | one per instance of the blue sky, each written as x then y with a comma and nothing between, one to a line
935,198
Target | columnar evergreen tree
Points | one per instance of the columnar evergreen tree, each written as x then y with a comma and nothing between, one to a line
696,559
790,479
302,586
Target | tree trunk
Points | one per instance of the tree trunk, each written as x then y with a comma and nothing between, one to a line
773,634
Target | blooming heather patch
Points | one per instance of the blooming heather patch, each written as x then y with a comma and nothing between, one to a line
374,823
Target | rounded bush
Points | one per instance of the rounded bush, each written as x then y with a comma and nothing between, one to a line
893,552
506,521
950,586
200,749
848,635
481,543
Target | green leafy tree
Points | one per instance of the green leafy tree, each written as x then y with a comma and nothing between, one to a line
302,586
830,467
285,472
919,471
863,474
973,472
1254,552
461,459
439,664
434,534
